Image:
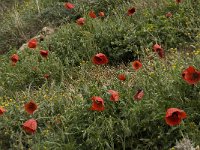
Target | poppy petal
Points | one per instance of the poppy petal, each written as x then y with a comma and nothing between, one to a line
174,116
136,65
100,59
114,95
30,126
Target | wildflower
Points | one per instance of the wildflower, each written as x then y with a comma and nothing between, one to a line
30,126
30,107
114,95
69,6
97,103
191,75
139,95
131,11
32,43
168,15
80,21
174,116
136,65
44,53
157,48
122,77
14,58
2,110
92,14
101,14
46,76
100,59
178,1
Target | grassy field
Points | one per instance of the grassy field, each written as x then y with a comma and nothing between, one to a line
147,52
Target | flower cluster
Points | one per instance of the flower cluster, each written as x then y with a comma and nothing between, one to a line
173,116
190,75
30,125
32,44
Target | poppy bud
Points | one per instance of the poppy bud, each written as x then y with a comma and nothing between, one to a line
44,53
131,11
69,6
101,14
80,21
92,14
2,110
122,77
14,58
32,43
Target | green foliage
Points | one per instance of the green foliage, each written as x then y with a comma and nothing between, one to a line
29,71
138,125
72,44
64,118
123,38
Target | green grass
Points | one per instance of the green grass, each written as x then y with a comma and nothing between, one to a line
64,99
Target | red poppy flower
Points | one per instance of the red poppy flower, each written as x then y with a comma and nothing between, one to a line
191,75
44,53
178,1
131,11
80,21
32,43
69,6
136,65
14,58
46,76
30,107
114,95
97,104
100,59
122,77
157,48
139,95
174,116
2,110
168,15
30,126
101,14
92,14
